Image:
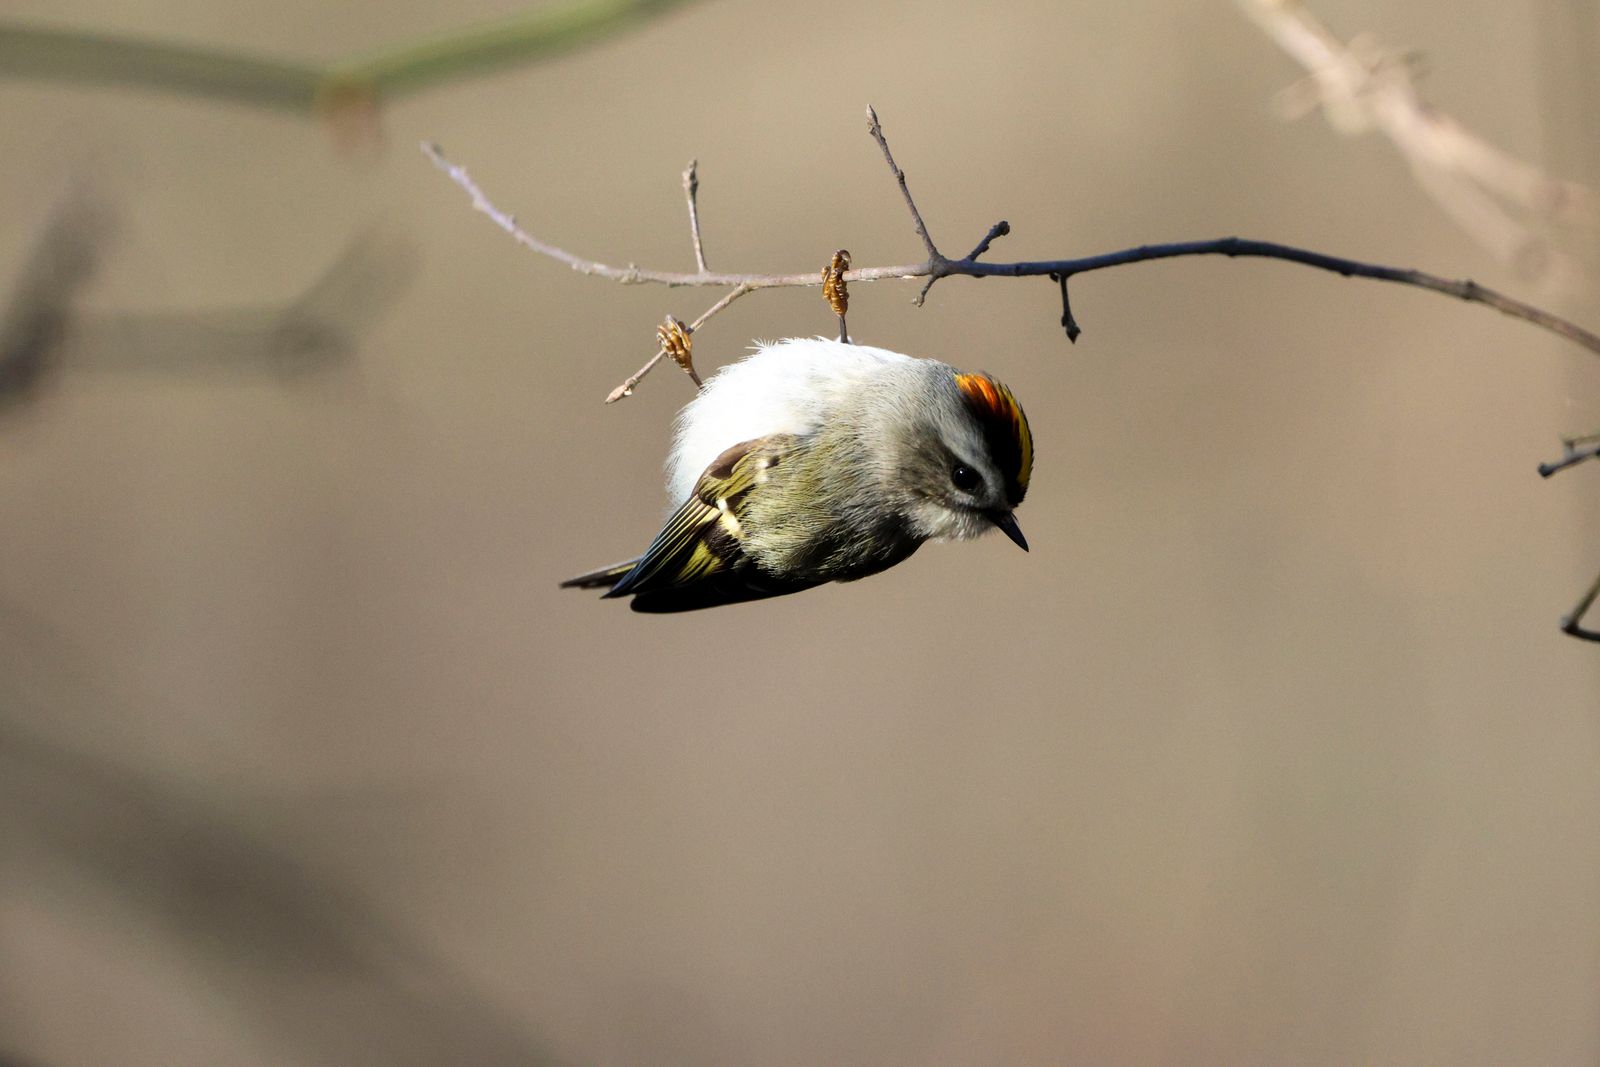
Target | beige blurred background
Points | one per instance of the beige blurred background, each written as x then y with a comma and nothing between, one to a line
1270,751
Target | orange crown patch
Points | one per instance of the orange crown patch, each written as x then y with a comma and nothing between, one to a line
1005,428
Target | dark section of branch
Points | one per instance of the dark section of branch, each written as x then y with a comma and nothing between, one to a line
999,229
1577,449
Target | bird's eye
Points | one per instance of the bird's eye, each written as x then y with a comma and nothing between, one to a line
965,478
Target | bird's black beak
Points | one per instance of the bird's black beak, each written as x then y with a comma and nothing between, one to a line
1008,525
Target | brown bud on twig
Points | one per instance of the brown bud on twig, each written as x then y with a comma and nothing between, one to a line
674,337
834,289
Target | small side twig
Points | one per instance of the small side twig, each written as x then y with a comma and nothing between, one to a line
1068,323
1574,451
876,129
626,388
691,188
1572,624
999,229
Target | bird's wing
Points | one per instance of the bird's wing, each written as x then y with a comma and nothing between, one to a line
698,560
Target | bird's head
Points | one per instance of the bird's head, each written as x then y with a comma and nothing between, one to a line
970,465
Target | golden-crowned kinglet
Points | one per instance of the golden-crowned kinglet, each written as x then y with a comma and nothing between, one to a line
817,461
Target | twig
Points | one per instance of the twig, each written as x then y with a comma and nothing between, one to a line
999,229
632,275
934,269
1573,623
82,56
1068,323
38,315
691,188
874,128
1574,451
320,328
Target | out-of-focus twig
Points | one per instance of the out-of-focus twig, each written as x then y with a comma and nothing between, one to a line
35,321
306,88
1502,202
317,330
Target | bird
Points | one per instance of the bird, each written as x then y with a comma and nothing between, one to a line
814,461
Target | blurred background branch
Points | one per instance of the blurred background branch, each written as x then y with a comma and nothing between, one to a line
1507,205
36,320
354,85
42,332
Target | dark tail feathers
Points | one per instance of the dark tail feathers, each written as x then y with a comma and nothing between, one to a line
604,578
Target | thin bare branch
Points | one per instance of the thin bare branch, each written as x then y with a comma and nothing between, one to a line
691,190
1232,247
632,275
876,129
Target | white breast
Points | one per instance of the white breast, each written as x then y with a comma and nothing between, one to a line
788,386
